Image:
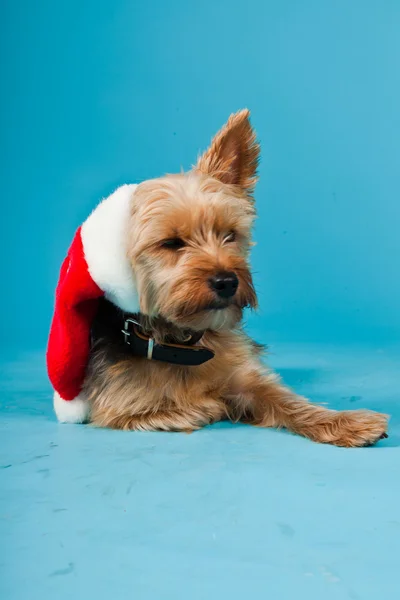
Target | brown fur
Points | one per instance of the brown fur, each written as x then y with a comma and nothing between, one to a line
211,210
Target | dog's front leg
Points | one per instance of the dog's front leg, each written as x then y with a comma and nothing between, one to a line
258,397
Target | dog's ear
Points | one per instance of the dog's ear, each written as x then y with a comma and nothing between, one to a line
233,154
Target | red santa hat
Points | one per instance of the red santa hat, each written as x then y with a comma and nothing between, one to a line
96,266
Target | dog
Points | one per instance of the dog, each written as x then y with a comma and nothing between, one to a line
189,241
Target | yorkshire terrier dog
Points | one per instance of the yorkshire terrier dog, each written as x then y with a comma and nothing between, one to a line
189,244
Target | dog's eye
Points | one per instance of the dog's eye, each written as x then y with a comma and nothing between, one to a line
231,237
173,244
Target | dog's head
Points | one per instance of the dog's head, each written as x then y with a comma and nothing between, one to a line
190,235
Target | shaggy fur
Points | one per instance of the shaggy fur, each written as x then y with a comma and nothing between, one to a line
183,230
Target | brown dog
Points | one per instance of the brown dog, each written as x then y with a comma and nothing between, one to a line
189,242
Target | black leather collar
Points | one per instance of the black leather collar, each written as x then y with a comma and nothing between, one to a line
111,325
185,354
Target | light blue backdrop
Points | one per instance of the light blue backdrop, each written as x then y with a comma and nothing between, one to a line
96,93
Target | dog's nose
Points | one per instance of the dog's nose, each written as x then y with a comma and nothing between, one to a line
224,284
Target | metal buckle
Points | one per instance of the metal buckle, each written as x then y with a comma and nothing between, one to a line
127,335
125,330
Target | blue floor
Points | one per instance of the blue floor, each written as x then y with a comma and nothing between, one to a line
229,512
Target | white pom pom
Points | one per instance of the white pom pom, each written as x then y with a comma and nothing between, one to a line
71,411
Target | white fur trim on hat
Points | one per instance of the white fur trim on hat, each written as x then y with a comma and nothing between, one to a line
71,411
104,239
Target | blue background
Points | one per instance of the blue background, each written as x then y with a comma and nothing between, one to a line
95,94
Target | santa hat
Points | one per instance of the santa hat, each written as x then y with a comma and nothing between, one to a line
96,266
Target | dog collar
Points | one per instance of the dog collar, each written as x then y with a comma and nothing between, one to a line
186,354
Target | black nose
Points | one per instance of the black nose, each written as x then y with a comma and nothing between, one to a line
224,284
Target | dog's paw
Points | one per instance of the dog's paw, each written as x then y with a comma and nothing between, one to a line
355,428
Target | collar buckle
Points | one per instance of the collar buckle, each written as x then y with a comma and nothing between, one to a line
130,326
127,330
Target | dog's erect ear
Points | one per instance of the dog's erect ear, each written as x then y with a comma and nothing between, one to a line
234,152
